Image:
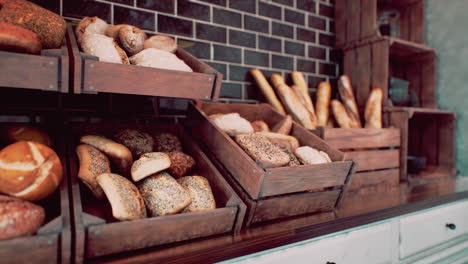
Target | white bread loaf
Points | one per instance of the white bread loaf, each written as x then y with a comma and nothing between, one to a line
161,42
113,31
29,170
161,59
90,25
200,193
131,39
163,194
92,164
309,155
233,124
149,163
103,47
124,197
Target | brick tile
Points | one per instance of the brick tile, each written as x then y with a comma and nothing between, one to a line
137,18
305,35
124,2
305,66
285,2
52,5
239,73
283,30
294,48
335,56
268,10
318,23
208,32
313,81
242,38
81,8
294,17
166,6
231,90
174,25
193,10
226,17
243,5
325,10
200,50
282,62
220,67
317,53
326,40
327,69
271,44
256,24
216,2
228,54
307,5
256,58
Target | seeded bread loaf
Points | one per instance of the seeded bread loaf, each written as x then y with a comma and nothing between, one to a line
163,194
149,163
200,193
289,142
138,142
92,164
167,142
262,151
293,161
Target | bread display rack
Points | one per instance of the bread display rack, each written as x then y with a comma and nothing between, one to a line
99,234
276,192
89,75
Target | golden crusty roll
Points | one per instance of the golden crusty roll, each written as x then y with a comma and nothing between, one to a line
23,132
29,170
284,126
260,125
267,90
90,25
323,103
373,112
92,164
303,100
18,39
340,114
303,91
347,96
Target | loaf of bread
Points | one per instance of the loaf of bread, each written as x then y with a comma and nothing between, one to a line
181,164
148,164
347,96
267,90
262,151
113,31
49,26
289,142
131,39
92,164
260,125
18,39
233,124
284,126
309,155
138,142
323,103
161,42
103,47
340,114
303,91
161,59
200,193
167,142
293,161
18,217
90,25
29,170
119,155
124,197
23,132
303,100
163,195
373,112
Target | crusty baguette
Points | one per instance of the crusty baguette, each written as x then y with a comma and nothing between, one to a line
323,103
92,164
284,126
120,155
347,96
309,155
267,90
300,82
303,100
340,114
18,39
262,151
149,163
289,142
124,197
373,112
200,193
260,125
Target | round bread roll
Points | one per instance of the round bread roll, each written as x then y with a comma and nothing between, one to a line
309,155
161,42
260,126
18,217
131,39
21,132
167,142
181,164
29,170
148,164
92,164
90,25
18,39
137,142
113,31
200,193
160,59
103,47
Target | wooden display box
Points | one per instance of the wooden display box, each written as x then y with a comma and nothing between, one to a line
371,65
428,133
52,242
99,234
356,21
375,152
274,192
47,71
89,75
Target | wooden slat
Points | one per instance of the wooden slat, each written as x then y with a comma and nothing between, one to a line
429,139
368,18
31,249
349,65
417,22
427,94
340,22
404,21
303,178
353,8
347,138
446,141
375,159
413,76
400,120
380,69
363,75
389,177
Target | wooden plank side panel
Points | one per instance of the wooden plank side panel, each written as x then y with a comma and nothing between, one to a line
375,159
380,67
130,235
368,19
389,177
37,249
363,75
446,141
405,22
295,204
427,92
429,139
417,22
75,60
303,178
349,65
347,138
340,22
400,120
354,20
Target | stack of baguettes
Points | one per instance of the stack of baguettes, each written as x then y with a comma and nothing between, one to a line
296,101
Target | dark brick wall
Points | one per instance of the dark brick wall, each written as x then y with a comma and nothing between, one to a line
232,35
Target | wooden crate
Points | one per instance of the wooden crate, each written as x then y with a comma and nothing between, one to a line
371,65
260,182
375,152
356,20
47,71
89,75
427,133
52,243
99,234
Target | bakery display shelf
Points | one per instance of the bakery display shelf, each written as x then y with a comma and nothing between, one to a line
53,240
99,234
89,75
273,192
427,143
47,71
374,150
